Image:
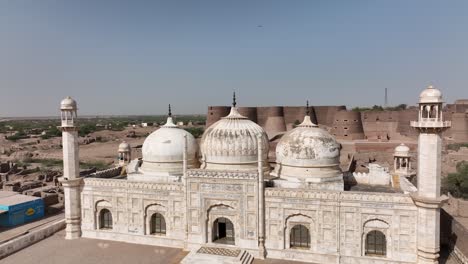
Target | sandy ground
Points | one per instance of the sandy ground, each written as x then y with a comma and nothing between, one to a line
57,250
97,151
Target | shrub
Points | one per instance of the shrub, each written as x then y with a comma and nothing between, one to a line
457,183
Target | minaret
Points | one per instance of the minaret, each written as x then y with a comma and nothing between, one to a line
428,200
125,153
71,180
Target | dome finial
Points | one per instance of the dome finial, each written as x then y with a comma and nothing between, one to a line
234,103
169,113
307,108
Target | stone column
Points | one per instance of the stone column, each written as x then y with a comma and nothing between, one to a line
71,182
261,201
184,181
72,196
427,198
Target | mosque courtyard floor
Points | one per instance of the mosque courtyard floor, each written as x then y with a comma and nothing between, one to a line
57,250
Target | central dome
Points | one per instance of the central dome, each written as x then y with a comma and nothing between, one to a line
232,144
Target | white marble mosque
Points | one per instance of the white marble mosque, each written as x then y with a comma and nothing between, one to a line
225,203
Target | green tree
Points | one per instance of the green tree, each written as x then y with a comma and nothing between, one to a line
195,131
457,183
296,123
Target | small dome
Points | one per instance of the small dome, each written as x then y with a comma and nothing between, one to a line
308,146
124,147
430,95
402,150
232,143
68,104
163,150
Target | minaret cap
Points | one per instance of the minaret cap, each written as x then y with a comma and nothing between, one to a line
169,121
307,121
234,114
430,95
68,104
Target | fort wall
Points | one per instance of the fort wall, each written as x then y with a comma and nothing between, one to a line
274,122
459,129
404,118
215,113
249,112
379,126
326,114
347,125
295,114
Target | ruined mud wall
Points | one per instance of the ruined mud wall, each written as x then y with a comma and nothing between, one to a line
347,125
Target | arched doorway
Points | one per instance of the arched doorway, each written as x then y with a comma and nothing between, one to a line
299,237
105,219
223,231
376,244
157,224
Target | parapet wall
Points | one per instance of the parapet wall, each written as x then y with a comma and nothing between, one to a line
109,173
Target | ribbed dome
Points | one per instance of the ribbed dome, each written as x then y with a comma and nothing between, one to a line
232,143
308,154
163,150
430,95
402,150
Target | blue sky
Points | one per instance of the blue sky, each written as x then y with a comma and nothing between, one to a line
134,57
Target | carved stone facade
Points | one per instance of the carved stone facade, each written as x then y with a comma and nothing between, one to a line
338,221
132,204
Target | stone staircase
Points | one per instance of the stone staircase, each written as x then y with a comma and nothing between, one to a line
218,255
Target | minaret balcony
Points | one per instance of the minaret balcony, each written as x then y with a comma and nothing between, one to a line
430,124
68,123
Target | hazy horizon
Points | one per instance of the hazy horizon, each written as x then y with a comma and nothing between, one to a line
135,57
